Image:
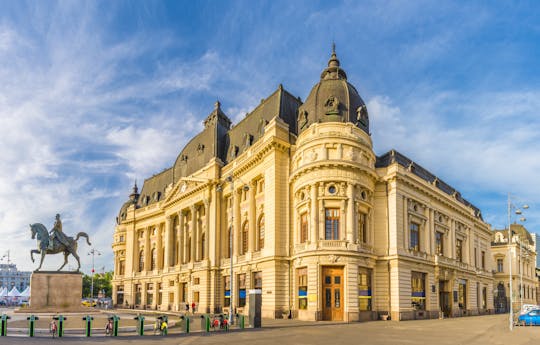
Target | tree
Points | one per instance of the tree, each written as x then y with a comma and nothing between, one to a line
102,282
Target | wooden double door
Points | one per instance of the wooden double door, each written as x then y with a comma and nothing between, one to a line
332,293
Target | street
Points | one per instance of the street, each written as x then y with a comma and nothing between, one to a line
491,329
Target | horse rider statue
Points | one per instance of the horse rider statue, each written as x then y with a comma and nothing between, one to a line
56,232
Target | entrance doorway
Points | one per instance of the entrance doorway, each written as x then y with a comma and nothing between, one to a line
444,298
332,293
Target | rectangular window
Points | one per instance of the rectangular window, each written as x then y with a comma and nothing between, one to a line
475,258
196,297
227,289
459,250
257,280
500,265
362,228
414,236
303,227
439,243
301,281
483,259
418,290
364,289
462,294
138,291
196,281
331,229
241,290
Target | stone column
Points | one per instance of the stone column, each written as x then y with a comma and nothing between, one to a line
252,217
168,242
176,295
237,222
159,248
193,231
180,237
313,236
343,224
207,228
350,214
147,249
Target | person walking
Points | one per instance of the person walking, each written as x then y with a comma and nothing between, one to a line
53,328
193,308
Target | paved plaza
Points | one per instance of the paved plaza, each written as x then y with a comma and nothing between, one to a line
469,330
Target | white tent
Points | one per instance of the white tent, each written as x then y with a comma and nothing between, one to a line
3,292
26,292
14,292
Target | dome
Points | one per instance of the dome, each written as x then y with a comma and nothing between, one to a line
333,99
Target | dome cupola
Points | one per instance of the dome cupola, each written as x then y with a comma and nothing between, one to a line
333,99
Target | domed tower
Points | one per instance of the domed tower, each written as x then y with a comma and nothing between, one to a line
332,185
333,99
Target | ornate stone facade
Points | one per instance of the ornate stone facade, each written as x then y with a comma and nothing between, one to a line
327,230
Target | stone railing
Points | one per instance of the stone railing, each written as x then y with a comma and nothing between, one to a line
333,244
300,247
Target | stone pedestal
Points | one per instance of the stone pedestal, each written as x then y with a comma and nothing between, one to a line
55,291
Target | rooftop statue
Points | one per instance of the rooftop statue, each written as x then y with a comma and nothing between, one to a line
57,242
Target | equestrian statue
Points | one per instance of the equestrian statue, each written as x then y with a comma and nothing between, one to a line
56,243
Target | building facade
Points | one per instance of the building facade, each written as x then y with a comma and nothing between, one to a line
522,253
10,277
323,226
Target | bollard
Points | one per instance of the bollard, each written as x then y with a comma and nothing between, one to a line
32,324
61,320
185,324
241,319
140,324
115,319
3,329
88,325
205,323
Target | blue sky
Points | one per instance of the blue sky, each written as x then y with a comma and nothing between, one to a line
95,94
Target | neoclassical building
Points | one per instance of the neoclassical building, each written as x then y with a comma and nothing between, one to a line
522,251
323,226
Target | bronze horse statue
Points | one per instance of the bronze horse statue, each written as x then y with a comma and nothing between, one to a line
43,239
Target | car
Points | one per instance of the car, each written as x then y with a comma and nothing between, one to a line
532,317
88,303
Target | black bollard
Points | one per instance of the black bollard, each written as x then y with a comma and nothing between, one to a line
3,329
140,324
61,320
32,324
88,325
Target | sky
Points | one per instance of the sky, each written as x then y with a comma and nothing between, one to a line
97,94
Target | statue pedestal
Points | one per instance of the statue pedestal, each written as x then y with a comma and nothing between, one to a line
55,291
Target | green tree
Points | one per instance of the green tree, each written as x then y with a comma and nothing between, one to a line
102,282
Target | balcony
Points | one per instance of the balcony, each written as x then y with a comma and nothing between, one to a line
333,244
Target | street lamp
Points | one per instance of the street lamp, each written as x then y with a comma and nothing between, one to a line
230,179
518,212
93,252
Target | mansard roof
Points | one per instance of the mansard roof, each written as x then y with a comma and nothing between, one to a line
393,156
219,140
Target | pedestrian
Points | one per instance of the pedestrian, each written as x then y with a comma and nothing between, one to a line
157,326
53,328
163,327
109,327
193,307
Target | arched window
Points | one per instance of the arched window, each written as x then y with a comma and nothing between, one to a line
261,232
203,243
245,234
153,261
141,260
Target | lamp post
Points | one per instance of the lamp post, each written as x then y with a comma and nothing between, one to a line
93,252
230,179
517,211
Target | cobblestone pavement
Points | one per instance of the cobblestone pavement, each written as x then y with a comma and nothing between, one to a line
491,329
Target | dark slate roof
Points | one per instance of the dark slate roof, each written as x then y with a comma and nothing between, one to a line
154,188
393,156
280,103
219,140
